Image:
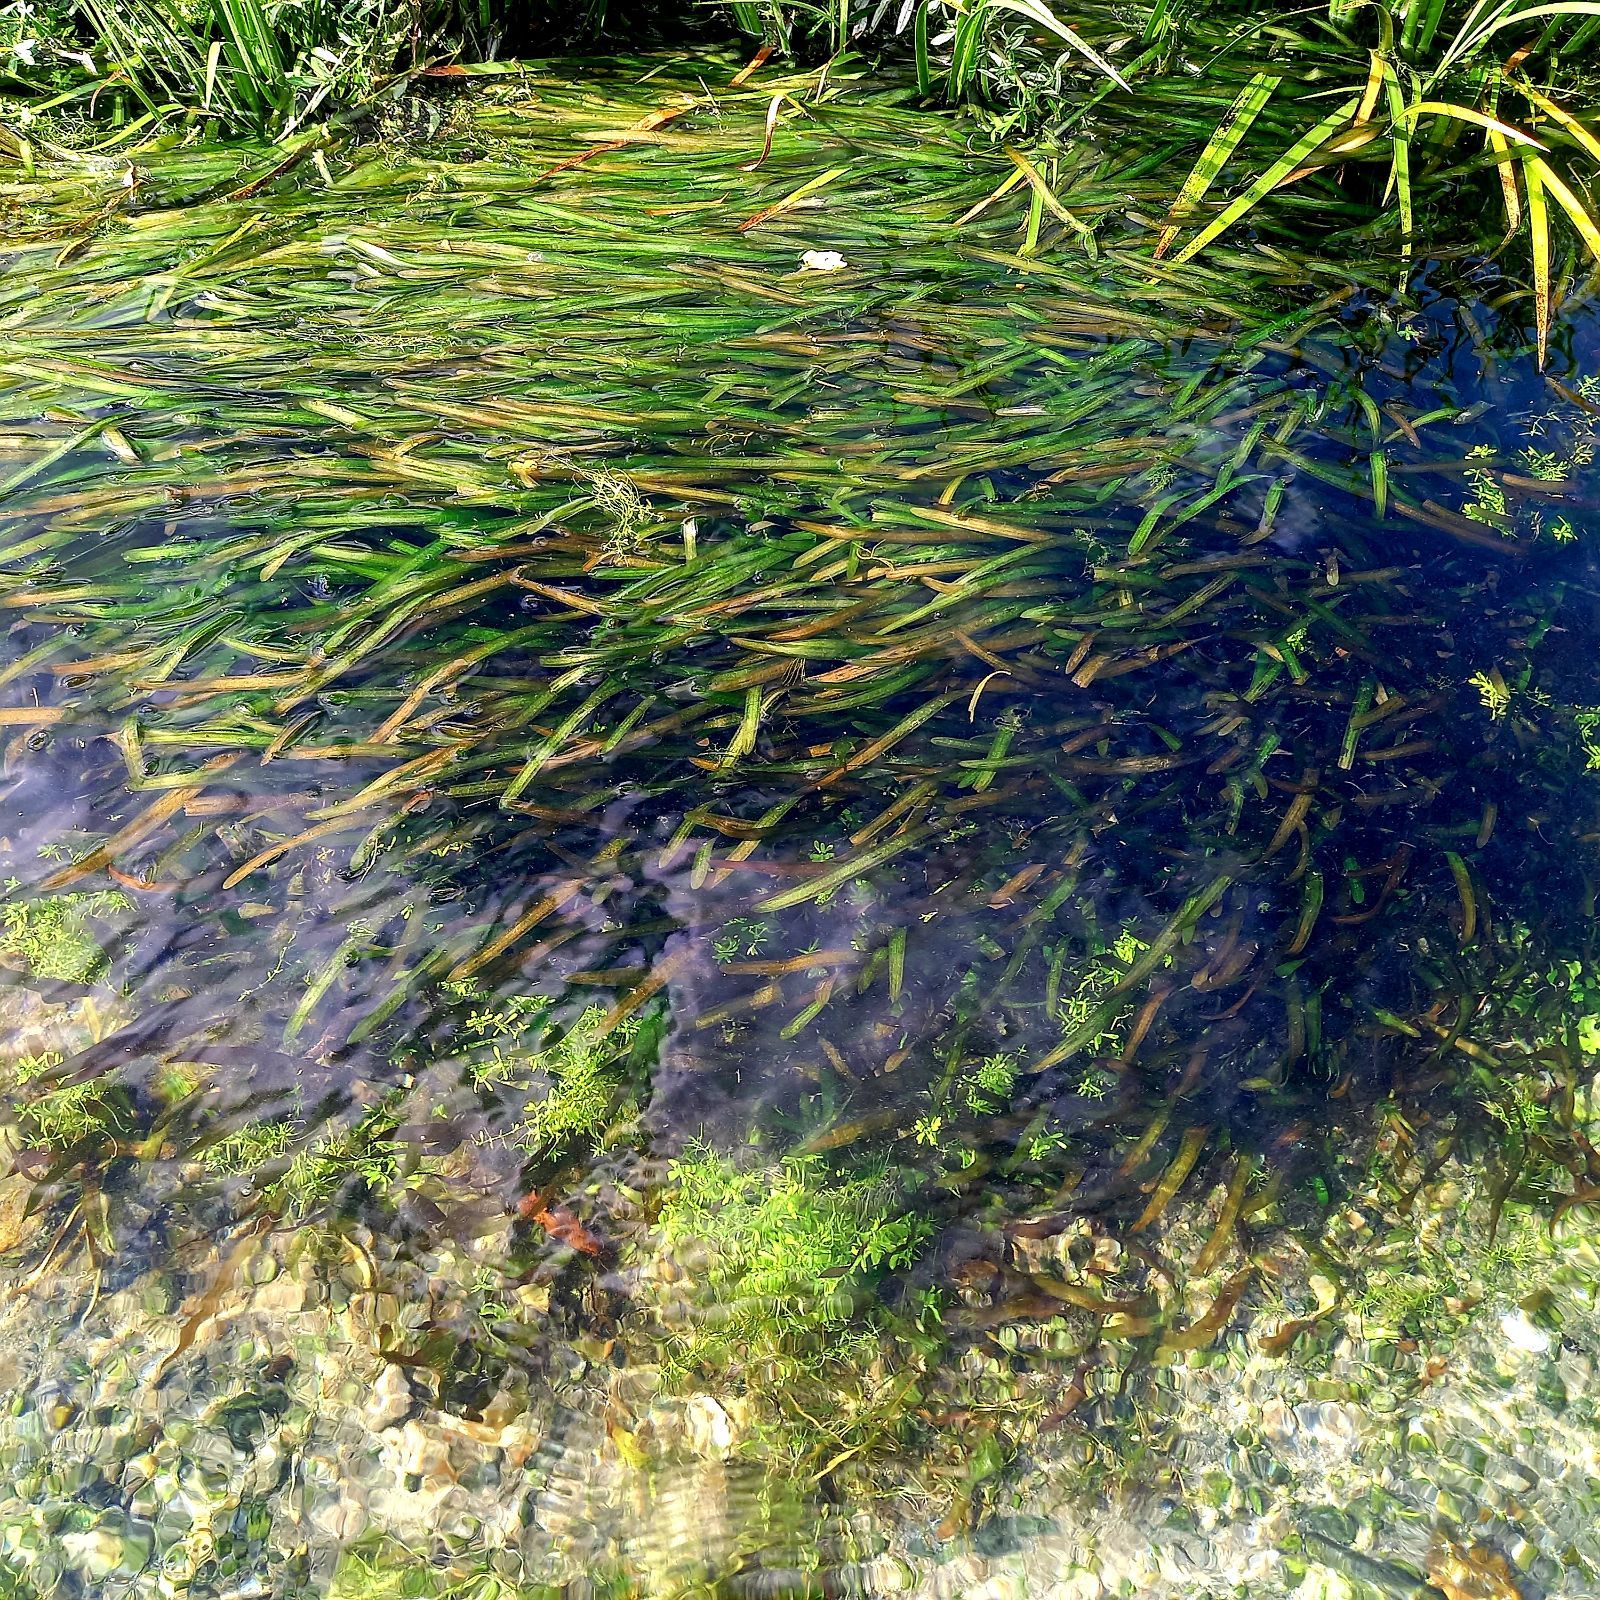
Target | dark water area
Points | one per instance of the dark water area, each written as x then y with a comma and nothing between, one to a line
688,918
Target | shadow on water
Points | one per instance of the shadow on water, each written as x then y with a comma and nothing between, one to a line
686,926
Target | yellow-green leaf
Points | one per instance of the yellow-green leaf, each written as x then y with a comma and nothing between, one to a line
1269,180
1250,102
1577,213
1539,244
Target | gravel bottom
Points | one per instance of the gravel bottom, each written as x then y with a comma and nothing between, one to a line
238,1420
1399,1400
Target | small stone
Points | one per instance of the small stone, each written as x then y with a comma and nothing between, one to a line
392,1398
98,1552
708,1428
1471,1572
1521,1334
262,1267
422,1455
823,261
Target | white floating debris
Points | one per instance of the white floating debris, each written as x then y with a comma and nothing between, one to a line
823,261
1522,1334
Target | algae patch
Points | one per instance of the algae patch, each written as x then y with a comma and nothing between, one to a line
55,938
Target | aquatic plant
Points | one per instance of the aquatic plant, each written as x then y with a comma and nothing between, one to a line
785,1249
1029,766
1422,75
762,1287
55,937
984,714
61,1114
878,719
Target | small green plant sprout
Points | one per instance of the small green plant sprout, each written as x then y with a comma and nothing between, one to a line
53,937
1488,502
488,1289
251,1148
1047,1143
330,1169
379,1569
1516,1106
507,1016
61,1116
1586,719
740,936
1095,1083
788,1248
1087,1005
991,1083
583,1095
1493,691
1589,1033
577,1080
1547,465
927,1129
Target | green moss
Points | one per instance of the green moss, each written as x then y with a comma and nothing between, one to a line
789,1251
385,1569
53,936
577,1077
583,1094
250,1147
64,1115
324,1172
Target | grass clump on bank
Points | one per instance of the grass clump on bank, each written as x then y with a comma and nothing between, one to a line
229,67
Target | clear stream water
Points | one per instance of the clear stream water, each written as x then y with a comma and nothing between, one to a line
682,924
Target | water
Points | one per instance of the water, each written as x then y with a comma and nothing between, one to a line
683,925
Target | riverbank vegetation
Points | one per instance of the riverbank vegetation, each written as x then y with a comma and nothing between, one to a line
1379,117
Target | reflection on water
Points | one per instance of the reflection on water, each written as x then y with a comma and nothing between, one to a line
681,925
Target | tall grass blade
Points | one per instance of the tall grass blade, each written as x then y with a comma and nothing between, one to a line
1247,106
1276,173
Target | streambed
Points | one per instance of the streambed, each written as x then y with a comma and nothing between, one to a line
680,922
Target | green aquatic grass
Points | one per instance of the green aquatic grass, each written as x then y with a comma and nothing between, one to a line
57,938
907,690
910,724
438,479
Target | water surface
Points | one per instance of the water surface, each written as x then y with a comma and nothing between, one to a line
682,924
